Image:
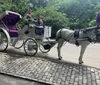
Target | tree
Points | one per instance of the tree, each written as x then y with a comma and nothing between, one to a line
19,6
79,12
52,17
5,5
38,3
76,14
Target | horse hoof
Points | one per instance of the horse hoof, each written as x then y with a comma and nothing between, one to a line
60,58
81,62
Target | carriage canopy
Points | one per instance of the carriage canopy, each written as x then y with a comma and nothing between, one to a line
10,18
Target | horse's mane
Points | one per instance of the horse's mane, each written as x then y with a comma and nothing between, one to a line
84,29
91,28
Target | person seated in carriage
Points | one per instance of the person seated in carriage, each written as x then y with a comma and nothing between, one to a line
29,17
39,25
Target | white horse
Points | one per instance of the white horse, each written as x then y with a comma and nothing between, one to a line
83,38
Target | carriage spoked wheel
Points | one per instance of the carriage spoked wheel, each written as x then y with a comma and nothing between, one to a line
44,48
19,44
3,41
30,47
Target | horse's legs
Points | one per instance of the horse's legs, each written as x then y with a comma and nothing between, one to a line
83,47
60,43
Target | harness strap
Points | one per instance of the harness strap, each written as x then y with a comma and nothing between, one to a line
76,34
60,33
61,36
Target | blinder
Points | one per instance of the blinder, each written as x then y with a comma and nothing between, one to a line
76,34
97,32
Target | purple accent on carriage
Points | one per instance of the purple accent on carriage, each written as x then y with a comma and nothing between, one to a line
10,20
13,32
98,19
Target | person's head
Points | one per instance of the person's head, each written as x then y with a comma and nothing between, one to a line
39,16
29,11
32,15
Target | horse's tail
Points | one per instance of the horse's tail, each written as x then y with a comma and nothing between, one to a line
58,34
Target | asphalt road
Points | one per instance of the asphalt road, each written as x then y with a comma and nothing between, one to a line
71,53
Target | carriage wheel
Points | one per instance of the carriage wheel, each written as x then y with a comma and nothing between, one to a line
19,44
42,49
3,41
30,47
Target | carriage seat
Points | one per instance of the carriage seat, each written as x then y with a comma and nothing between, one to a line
13,31
39,31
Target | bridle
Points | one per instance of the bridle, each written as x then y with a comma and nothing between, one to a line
96,32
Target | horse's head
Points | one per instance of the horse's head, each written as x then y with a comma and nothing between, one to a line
91,32
97,32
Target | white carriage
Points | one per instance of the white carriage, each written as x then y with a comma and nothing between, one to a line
11,34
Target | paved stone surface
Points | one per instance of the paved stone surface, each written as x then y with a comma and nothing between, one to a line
10,80
51,71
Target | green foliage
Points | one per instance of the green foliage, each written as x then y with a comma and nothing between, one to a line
92,23
79,12
38,3
53,18
5,5
19,6
76,14
97,7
